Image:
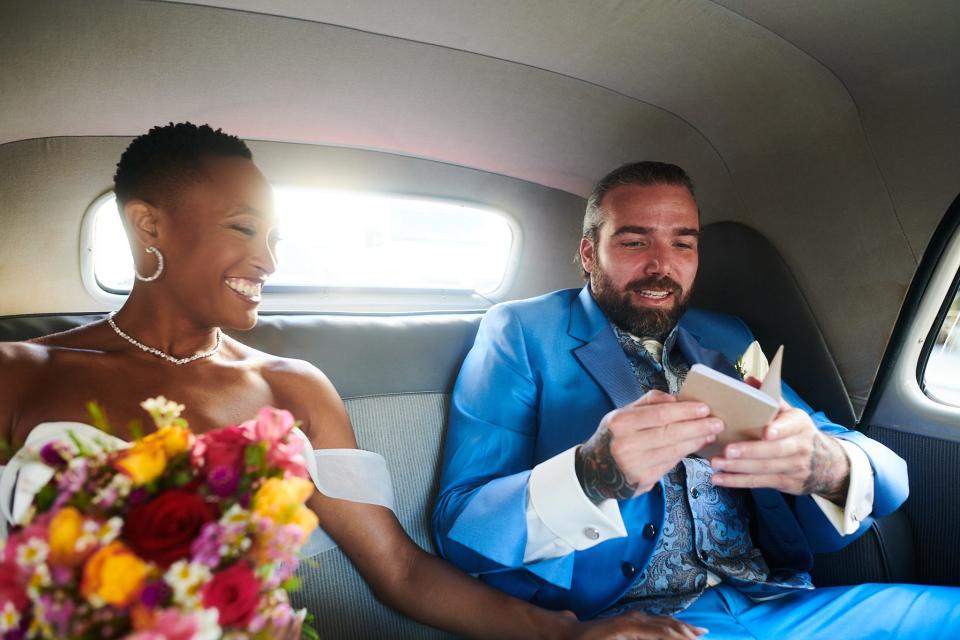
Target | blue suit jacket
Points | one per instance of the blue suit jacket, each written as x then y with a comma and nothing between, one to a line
540,376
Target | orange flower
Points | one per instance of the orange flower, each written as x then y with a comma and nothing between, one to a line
175,439
66,527
114,574
144,461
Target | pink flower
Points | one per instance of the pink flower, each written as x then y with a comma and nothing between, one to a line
289,457
272,425
223,448
12,586
170,624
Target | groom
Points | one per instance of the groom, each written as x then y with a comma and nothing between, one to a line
570,476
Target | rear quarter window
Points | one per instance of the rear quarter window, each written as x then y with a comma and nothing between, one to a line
341,240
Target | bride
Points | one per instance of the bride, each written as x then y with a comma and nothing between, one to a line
200,221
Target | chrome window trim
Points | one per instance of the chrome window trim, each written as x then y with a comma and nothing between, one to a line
904,405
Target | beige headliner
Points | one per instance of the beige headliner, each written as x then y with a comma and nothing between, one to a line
826,125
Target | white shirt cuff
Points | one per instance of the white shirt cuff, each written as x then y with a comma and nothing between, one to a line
859,502
561,519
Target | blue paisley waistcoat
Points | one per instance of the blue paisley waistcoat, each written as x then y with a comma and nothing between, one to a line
706,532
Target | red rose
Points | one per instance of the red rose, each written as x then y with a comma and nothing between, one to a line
12,586
163,529
224,448
234,592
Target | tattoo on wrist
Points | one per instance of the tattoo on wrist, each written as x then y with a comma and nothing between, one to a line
827,478
598,472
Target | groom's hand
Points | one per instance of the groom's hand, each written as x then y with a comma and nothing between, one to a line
793,456
636,445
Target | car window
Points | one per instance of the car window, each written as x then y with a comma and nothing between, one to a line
941,376
339,239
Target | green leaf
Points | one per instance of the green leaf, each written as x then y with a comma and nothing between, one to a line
98,417
136,428
291,584
308,631
182,478
255,455
81,500
45,497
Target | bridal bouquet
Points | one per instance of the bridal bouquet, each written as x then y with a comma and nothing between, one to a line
175,536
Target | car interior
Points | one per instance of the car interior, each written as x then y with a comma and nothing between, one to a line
820,136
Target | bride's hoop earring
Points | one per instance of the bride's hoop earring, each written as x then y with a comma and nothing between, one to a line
156,274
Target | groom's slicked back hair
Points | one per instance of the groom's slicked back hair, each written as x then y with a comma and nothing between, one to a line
644,173
157,163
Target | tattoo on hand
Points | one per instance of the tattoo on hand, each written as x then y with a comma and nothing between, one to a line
826,478
598,472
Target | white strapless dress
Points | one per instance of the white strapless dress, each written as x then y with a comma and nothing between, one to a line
345,474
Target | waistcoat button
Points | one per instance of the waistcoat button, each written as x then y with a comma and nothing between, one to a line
649,531
628,570
694,493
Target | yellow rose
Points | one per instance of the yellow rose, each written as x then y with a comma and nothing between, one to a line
282,500
175,439
114,574
306,519
66,527
144,461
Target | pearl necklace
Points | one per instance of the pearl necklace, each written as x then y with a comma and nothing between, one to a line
161,354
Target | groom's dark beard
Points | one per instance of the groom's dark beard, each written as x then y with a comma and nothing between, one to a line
637,320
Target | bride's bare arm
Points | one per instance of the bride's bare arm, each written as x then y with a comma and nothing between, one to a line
422,586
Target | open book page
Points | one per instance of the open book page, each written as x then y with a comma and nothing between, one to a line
744,410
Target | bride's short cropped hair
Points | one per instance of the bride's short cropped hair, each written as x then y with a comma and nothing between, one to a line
156,163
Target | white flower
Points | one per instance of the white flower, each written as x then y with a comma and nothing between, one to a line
235,515
39,580
110,530
207,624
32,553
163,411
9,618
753,362
186,579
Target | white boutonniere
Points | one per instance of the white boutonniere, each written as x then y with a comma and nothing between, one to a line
753,362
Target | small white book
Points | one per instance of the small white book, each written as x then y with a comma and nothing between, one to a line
744,410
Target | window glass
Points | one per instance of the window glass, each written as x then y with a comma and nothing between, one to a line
335,239
941,378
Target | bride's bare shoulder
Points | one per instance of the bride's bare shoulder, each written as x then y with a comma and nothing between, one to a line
311,397
17,358
21,366
297,375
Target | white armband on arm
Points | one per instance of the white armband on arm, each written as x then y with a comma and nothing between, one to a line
859,503
346,474
561,519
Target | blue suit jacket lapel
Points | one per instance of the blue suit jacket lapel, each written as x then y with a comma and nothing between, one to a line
601,355
696,354
603,358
